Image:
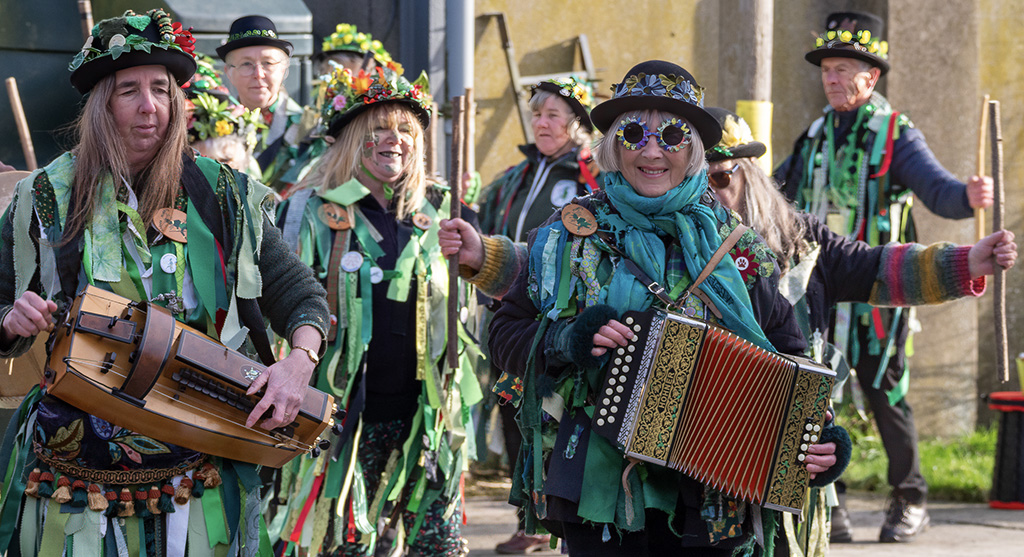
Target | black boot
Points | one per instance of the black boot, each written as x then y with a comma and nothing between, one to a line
842,528
903,520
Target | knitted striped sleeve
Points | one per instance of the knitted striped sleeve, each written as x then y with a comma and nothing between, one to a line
914,274
503,260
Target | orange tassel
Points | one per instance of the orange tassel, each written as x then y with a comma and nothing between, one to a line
32,486
63,493
127,503
184,491
154,498
97,501
211,476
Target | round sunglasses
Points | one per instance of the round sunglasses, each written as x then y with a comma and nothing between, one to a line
673,134
721,178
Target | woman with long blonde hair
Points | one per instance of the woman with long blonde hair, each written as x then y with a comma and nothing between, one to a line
365,219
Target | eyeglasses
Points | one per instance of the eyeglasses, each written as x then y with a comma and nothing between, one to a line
247,69
722,178
673,134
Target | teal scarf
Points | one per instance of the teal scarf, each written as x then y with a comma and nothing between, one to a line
641,224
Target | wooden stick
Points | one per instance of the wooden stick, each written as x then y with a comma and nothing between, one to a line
21,123
432,143
455,183
85,11
469,121
996,139
979,214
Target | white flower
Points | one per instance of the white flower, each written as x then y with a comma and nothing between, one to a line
88,44
116,40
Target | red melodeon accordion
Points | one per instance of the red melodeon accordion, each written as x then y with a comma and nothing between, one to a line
133,365
701,400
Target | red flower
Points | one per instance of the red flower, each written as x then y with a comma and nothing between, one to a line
183,38
745,263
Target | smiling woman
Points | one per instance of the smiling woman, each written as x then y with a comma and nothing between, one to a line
366,218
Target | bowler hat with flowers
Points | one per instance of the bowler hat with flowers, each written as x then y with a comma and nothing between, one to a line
134,40
737,140
252,30
579,93
659,85
852,35
347,38
206,80
344,96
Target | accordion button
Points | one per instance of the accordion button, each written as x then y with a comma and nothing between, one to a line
809,427
803,447
615,371
606,401
618,361
817,428
618,389
615,409
631,347
608,391
611,419
807,437
629,359
600,421
801,457
814,439
620,351
629,321
624,370
603,412
617,399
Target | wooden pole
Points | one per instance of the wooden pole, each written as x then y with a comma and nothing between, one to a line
979,214
21,123
996,139
469,133
432,143
85,11
455,183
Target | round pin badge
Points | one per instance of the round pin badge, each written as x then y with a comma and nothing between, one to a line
578,220
351,261
335,216
422,221
563,191
171,223
169,263
376,275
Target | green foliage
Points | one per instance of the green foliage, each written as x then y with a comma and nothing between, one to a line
957,469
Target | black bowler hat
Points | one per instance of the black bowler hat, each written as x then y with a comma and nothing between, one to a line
133,40
252,30
575,92
852,35
737,140
664,86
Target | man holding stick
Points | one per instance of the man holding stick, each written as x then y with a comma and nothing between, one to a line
856,168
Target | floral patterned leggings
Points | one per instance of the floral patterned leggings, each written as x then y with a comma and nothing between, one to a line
437,537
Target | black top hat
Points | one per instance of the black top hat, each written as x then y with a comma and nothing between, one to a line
737,140
577,93
659,85
133,40
852,35
252,30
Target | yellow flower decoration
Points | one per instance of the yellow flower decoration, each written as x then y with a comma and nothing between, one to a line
865,36
223,128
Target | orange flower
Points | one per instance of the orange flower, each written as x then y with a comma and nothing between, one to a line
361,83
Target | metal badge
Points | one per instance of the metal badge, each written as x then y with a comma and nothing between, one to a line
376,275
351,261
169,263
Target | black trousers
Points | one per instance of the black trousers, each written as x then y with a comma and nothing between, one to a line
585,540
895,422
513,440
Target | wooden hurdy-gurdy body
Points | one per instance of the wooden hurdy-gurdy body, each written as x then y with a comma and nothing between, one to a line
135,366
703,401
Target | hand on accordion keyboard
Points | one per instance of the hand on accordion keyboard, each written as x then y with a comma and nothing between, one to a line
821,456
611,335
286,383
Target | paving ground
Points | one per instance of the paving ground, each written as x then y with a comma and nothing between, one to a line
958,529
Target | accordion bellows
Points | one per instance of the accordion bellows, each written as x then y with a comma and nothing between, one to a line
701,400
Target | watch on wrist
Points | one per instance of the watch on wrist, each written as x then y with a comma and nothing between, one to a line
313,357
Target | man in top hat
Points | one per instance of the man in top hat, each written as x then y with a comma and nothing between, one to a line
855,168
256,63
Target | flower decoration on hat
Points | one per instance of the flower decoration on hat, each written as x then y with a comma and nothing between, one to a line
117,36
347,38
342,95
212,117
206,79
661,85
579,89
735,132
860,39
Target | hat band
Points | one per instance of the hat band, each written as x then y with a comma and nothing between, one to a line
253,33
669,86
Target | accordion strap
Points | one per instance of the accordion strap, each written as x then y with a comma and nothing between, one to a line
694,289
